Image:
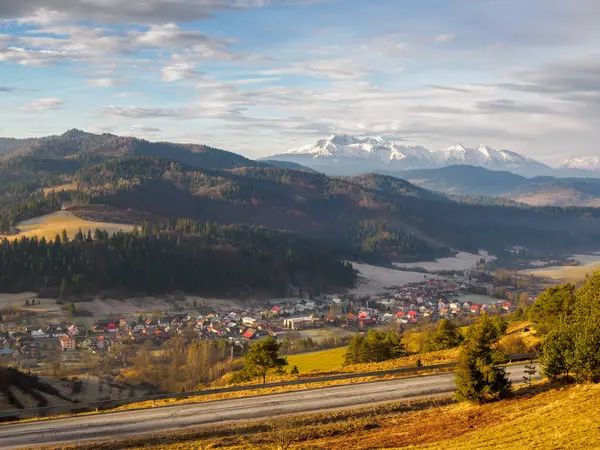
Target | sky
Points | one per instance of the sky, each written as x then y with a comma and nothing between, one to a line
259,77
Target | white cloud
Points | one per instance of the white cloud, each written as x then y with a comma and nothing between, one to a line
118,11
43,104
128,94
106,82
144,129
178,72
441,38
336,69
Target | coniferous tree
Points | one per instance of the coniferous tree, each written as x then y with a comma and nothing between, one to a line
478,379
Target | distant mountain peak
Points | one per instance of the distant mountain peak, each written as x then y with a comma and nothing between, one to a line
344,154
75,133
591,163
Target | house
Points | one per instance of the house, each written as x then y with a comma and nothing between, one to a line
475,309
249,333
506,306
412,314
67,342
86,343
73,330
112,328
102,343
39,334
249,321
276,309
124,325
139,327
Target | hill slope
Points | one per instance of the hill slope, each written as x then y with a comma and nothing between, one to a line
372,213
539,191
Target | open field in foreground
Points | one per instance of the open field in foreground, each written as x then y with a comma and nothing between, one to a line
50,225
541,417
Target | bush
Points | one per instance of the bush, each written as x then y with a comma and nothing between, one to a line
377,346
445,336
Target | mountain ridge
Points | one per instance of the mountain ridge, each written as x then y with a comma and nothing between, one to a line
349,155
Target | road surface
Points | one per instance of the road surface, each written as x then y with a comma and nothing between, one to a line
152,420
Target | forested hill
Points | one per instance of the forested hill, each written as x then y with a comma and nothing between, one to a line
371,217
79,148
185,256
374,214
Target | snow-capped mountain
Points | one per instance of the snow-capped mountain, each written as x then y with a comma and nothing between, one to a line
588,163
347,155
375,149
485,156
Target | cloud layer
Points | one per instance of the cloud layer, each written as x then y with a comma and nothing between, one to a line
261,76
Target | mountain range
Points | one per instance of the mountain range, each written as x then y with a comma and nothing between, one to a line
369,216
465,180
348,155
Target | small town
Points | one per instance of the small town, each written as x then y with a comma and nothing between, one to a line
403,307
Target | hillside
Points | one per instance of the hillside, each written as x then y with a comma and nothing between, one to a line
540,418
374,213
477,181
372,218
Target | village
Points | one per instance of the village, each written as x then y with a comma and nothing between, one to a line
403,307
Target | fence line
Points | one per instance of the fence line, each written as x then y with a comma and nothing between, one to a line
108,404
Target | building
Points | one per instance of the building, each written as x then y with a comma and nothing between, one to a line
67,342
298,323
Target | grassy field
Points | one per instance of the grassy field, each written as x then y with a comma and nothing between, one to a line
572,274
50,225
63,187
543,417
323,361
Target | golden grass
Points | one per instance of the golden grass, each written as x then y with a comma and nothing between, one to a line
322,361
63,187
572,274
537,418
50,225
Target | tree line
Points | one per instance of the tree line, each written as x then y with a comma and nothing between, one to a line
568,318
218,261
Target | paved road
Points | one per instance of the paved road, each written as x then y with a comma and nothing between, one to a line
111,425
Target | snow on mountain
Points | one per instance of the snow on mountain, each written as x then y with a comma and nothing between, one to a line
374,148
590,163
348,154
483,156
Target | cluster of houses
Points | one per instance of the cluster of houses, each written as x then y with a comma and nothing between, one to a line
431,299
436,299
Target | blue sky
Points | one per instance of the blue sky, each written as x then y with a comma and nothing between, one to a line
262,76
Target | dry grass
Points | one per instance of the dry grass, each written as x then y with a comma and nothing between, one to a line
63,187
50,225
323,361
541,417
572,274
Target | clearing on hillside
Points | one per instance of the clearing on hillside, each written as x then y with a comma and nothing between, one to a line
50,225
63,187
322,361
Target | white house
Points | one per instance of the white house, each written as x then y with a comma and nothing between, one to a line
39,334
249,321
